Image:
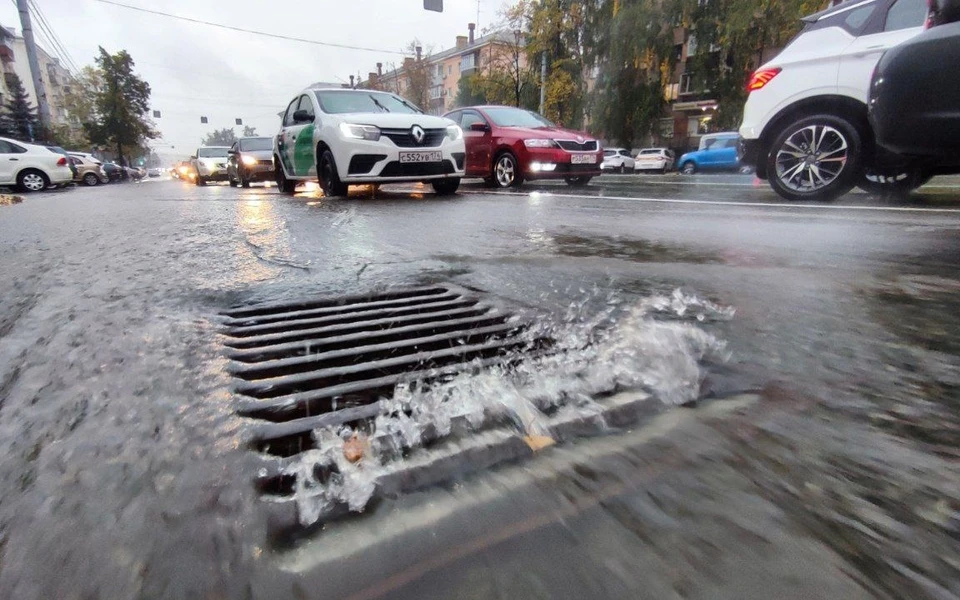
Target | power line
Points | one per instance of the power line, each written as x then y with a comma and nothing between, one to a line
252,31
56,46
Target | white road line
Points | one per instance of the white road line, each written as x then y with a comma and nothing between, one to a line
734,203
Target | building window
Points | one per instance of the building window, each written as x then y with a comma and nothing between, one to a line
686,83
449,69
468,61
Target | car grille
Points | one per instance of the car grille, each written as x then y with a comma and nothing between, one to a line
572,146
398,169
403,138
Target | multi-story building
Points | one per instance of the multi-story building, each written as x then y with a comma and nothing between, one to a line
56,78
445,69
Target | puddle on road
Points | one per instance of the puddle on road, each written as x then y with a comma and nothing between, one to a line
636,250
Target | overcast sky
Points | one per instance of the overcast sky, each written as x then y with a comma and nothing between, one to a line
197,70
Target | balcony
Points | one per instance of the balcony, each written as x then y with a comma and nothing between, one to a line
437,92
468,64
6,52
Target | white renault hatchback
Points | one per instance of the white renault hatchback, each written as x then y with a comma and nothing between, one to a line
347,136
805,125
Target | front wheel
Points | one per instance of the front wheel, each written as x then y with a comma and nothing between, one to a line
91,179
286,186
892,184
578,181
506,171
328,176
816,158
445,187
200,181
688,168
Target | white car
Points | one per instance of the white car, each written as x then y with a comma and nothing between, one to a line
210,164
805,125
616,159
655,159
32,168
345,136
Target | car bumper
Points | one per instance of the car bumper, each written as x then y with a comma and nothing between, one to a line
558,164
659,165
258,172
377,162
748,152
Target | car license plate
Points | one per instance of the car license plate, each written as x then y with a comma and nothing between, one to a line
584,159
421,157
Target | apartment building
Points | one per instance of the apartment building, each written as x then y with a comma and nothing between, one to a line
469,55
56,78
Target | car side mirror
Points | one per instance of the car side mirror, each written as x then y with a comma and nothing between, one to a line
194,157
229,152
479,127
302,116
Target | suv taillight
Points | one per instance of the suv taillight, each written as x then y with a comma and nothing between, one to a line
761,78
62,162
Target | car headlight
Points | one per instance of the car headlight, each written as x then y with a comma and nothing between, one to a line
540,143
454,132
249,161
360,132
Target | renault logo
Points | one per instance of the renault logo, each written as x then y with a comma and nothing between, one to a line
418,134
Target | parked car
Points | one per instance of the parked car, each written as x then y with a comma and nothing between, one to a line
155,172
134,173
507,145
913,103
31,168
654,159
805,126
210,164
89,169
344,136
717,152
250,159
114,172
61,151
617,159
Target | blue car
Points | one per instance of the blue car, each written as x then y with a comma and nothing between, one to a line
718,152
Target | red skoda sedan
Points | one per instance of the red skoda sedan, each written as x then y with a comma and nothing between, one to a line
507,145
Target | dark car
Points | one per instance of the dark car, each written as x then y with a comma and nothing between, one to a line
250,159
913,102
506,145
114,172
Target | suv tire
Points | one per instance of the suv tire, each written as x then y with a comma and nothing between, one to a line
815,158
200,181
286,186
445,187
899,184
328,176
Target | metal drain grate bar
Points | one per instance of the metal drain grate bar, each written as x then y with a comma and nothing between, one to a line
249,330
277,370
344,309
340,331
269,309
321,344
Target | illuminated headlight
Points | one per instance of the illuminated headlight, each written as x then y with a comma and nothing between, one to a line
360,132
454,132
540,143
538,167
249,161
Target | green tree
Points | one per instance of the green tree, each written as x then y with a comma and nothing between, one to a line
633,52
733,38
249,131
469,93
121,106
19,119
220,137
556,29
79,102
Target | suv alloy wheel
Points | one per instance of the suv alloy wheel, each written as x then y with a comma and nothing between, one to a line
815,158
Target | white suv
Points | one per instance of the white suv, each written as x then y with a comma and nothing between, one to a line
805,125
347,136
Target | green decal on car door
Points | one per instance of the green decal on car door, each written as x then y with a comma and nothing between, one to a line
303,160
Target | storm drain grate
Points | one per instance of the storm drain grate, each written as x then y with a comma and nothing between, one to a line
324,363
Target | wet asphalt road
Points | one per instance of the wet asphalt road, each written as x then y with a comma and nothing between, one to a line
832,471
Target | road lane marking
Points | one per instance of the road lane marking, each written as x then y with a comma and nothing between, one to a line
731,203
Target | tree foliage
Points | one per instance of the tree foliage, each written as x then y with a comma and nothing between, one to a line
120,105
417,74
19,117
557,29
249,131
732,38
221,137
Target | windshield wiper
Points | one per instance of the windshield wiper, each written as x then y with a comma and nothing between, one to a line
377,102
410,106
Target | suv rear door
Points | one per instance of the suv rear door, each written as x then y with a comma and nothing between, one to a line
285,139
890,23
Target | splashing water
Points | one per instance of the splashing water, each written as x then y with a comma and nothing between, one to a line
650,345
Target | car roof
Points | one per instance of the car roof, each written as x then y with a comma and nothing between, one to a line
227,147
834,10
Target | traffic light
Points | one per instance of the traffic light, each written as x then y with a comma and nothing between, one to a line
434,5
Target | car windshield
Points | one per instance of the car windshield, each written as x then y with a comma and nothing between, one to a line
255,144
504,116
212,152
334,102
